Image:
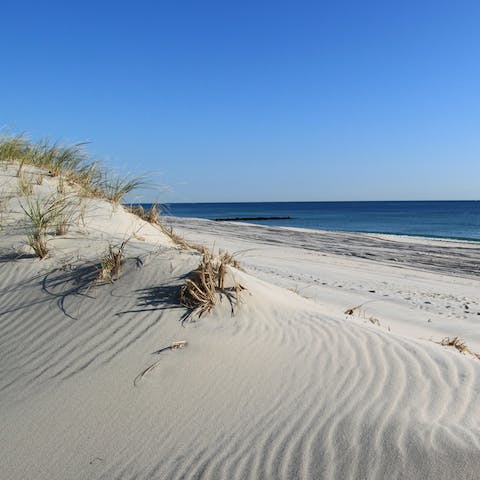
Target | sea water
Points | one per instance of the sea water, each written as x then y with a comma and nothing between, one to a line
440,219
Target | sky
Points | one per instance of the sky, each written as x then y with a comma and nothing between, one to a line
255,100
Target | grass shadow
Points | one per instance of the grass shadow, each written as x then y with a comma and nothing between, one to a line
70,283
12,256
152,299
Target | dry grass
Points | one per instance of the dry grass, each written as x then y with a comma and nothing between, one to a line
152,215
111,263
459,344
351,311
174,346
375,321
229,259
63,223
199,293
25,185
358,308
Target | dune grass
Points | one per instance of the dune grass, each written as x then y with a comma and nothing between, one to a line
25,185
116,188
69,162
65,215
41,215
152,215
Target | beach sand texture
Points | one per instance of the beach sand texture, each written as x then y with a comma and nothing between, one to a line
289,387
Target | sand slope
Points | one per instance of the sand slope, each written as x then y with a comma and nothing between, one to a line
281,390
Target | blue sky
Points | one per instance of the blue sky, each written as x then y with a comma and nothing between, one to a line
255,101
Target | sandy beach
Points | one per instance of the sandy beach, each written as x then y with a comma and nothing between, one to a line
330,367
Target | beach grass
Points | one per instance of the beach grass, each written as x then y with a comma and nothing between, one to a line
41,215
71,163
25,184
116,188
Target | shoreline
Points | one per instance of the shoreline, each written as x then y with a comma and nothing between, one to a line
443,256
456,220
323,230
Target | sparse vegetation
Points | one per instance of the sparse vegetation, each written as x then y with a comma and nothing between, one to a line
152,215
199,292
374,320
41,216
116,189
65,215
25,185
111,263
68,162
459,344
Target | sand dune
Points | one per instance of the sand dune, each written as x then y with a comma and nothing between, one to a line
290,387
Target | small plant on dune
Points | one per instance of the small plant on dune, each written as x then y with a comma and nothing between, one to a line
199,292
459,344
25,185
152,215
63,221
41,216
229,259
137,210
20,167
111,263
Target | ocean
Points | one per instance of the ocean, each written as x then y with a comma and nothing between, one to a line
438,219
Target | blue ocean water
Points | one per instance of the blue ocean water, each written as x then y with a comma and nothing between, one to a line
441,219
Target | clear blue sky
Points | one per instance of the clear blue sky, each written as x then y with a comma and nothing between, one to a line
252,100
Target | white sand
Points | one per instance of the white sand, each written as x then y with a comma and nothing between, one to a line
290,387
